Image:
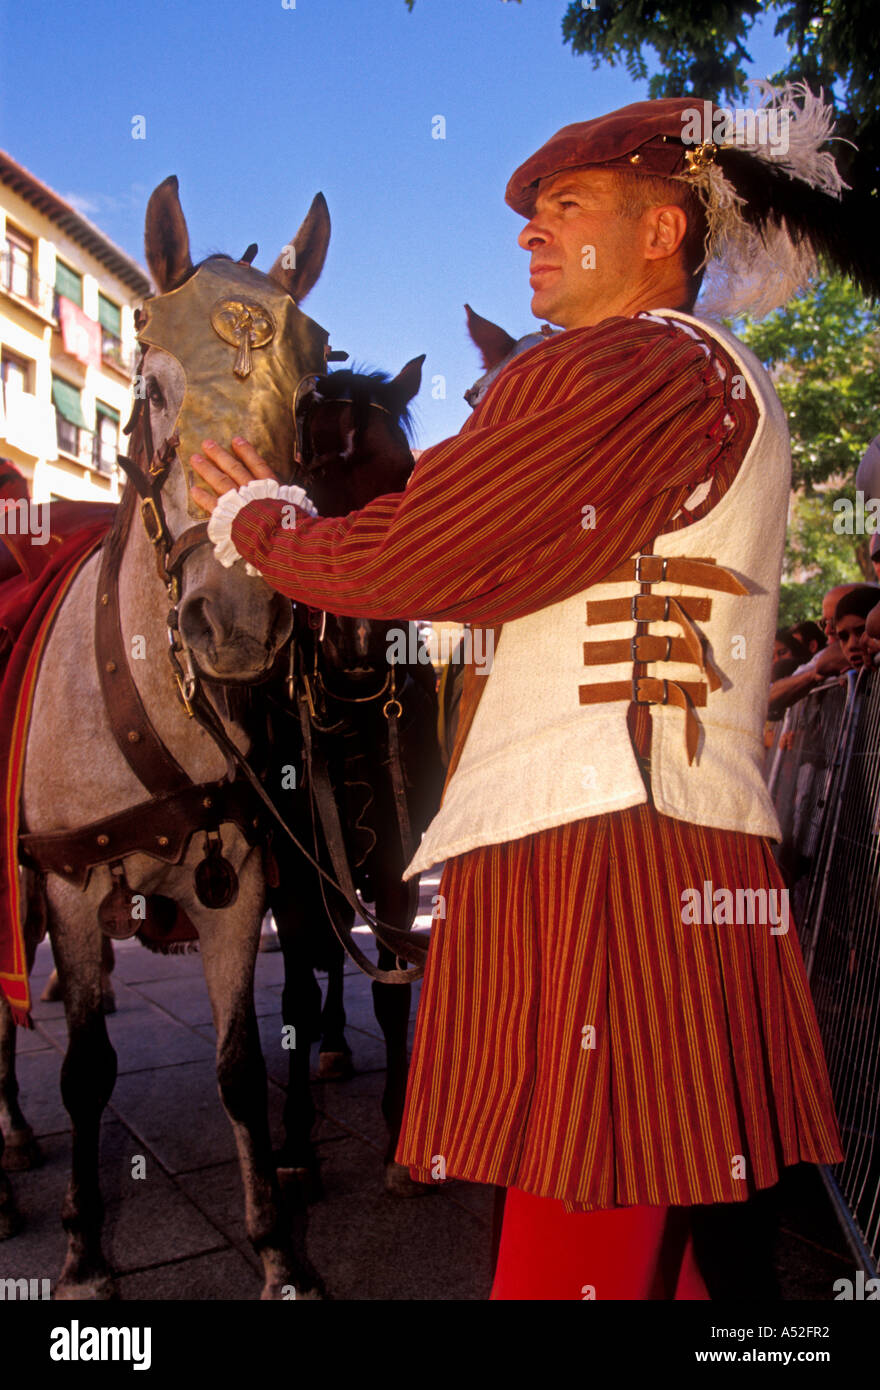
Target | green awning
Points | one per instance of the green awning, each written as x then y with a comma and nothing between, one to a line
68,283
67,401
110,316
108,411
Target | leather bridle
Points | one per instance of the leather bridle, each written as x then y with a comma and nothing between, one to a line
171,555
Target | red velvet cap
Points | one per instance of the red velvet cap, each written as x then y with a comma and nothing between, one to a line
645,137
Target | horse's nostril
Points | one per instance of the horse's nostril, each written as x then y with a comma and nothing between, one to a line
201,622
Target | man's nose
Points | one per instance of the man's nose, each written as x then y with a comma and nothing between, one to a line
532,235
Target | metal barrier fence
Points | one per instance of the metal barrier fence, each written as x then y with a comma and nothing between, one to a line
824,775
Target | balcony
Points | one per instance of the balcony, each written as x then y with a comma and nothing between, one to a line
114,355
86,447
22,283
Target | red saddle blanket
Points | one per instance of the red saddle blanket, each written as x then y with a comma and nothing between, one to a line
41,551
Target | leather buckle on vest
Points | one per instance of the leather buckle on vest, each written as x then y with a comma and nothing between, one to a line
647,617
644,637
654,680
642,578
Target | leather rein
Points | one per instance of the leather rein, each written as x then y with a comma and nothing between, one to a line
173,793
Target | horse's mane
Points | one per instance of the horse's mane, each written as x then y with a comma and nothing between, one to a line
365,387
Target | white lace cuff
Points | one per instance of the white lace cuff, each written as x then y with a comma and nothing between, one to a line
231,503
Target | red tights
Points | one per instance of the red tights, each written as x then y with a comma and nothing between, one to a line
620,1253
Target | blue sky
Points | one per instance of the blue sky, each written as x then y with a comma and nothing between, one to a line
255,107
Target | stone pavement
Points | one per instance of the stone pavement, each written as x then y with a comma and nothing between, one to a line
179,1232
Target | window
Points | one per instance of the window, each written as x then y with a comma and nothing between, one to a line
68,282
110,319
105,444
15,372
18,264
70,420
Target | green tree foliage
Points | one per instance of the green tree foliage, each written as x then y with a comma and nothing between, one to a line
823,352
702,49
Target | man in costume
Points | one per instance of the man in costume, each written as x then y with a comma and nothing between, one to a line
617,501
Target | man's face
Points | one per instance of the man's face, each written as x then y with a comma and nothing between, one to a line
871,635
585,256
829,603
850,631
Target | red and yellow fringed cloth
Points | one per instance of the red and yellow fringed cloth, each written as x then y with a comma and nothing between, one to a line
35,580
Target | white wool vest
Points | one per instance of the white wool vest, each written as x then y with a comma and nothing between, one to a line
536,756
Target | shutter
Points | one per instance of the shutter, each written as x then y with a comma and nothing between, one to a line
68,283
66,400
110,316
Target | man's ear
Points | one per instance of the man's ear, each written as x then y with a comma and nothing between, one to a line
665,230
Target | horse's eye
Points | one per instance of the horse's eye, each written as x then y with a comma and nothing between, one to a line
154,391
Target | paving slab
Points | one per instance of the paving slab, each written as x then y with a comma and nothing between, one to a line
144,1038
368,1245
223,1275
177,1114
39,1080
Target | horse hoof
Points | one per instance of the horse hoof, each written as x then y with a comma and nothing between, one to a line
398,1182
275,1291
52,991
335,1066
94,1288
22,1152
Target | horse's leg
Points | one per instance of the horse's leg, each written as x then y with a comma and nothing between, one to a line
300,1010
22,1150
392,1005
229,942
334,1058
88,1075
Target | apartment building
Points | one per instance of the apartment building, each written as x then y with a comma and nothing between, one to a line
67,343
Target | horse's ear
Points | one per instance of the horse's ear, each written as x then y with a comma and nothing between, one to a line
408,381
166,240
300,264
494,344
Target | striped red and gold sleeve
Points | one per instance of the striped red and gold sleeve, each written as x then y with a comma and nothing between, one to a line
584,449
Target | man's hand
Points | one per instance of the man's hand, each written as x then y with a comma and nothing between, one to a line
830,662
224,471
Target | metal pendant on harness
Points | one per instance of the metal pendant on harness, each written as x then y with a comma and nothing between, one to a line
216,881
116,910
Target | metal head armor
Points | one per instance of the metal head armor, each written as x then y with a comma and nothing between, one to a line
244,346
237,334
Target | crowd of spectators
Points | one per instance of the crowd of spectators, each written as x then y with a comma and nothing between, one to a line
846,637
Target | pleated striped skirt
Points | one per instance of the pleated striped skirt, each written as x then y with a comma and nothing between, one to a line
581,1037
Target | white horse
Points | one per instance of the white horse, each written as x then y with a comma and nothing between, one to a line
230,627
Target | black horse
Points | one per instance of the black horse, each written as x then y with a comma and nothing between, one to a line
355,447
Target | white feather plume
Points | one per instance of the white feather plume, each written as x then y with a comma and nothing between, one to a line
745,271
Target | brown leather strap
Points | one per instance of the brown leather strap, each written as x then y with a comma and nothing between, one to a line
189,541
647,647
137,740
642,648
643,690
675,569
646,608
401,804
161,828
404,944
650,690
